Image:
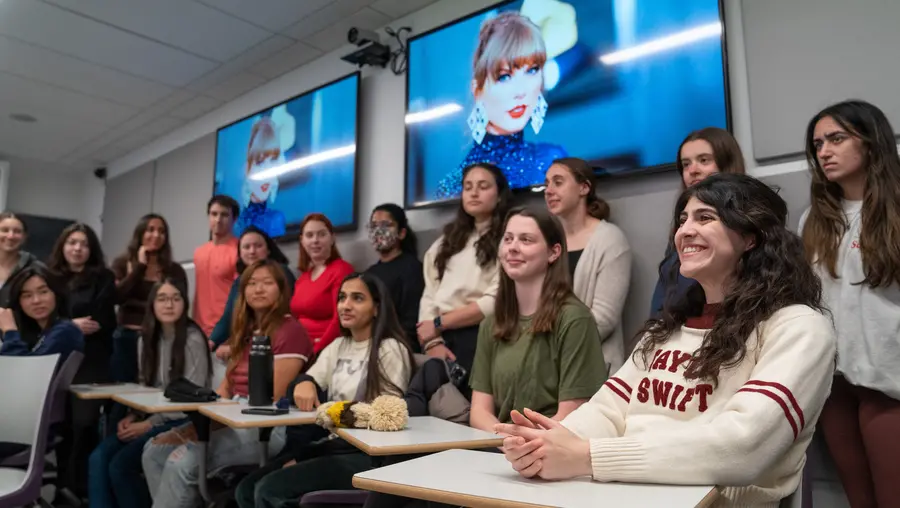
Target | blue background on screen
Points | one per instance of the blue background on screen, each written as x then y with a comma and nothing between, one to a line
324,120
622,117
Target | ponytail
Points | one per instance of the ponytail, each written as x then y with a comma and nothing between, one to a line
583,173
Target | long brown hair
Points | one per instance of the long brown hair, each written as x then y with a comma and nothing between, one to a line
385,325
555,290
151,335
582,172
163,255
768,277
305,262
456,233
726,150
245,322
879,237
95,263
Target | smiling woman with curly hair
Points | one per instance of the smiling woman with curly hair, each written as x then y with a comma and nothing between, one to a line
728,383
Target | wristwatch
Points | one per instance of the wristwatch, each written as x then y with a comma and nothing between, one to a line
437,324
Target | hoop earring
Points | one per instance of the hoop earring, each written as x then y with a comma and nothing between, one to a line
537,116
478,122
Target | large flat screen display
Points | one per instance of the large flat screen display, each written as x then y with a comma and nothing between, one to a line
292,159
618,83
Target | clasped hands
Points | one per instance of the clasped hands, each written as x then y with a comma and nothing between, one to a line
538,446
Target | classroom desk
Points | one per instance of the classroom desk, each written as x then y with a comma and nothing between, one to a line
423,434
486,480
106,391
231,416
157,403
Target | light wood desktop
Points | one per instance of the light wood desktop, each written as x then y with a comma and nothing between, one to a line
106,391
423,434
157,403
486,480
232,416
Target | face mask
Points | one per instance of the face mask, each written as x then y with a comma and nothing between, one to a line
383,238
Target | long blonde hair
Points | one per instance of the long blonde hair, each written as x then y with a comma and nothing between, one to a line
508,39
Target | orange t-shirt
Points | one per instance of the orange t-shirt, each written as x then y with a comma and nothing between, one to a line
214,272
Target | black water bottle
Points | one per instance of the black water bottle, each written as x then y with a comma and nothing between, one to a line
262,371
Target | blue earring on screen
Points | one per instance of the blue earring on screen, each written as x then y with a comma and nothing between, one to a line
478,122
537,116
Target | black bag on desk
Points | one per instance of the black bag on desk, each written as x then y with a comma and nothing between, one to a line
182,390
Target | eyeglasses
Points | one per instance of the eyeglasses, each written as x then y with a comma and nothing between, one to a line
174,300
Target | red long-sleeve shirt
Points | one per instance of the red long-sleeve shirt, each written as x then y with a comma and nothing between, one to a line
314,303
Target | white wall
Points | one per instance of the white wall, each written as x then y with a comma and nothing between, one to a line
44,189
383,108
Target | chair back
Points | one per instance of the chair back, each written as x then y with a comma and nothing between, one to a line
61,383
26,405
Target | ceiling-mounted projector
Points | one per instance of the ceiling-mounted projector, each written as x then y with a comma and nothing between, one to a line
371,51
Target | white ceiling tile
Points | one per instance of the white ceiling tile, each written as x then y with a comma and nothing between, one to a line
286,60
44,140
162,125
246,59
324,17
195,107
47,66
272,14
54,28
134,140
107,154
191,26
235,86
335,35
174,99
49,103
399,8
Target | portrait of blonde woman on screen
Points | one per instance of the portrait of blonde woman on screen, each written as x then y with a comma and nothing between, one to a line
507,89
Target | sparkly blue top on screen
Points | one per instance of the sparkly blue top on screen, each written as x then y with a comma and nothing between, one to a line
270,220
523,163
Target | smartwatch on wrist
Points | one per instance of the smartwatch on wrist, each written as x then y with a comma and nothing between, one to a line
437,324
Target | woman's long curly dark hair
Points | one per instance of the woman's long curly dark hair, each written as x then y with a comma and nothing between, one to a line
771,275
456,232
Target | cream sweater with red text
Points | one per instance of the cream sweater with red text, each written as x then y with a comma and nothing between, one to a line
748,435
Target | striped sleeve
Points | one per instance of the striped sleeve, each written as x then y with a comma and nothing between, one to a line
783,397
772,413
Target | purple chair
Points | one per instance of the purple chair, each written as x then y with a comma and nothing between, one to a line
28,406
59,398
334,499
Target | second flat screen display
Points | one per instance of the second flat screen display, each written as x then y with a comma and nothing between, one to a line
618,83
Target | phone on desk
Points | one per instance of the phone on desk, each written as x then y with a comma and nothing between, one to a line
265,411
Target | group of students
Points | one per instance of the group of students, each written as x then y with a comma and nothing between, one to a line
755,334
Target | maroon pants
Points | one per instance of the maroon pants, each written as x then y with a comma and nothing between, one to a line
862,430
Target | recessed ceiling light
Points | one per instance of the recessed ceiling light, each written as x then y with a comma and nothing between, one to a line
22,117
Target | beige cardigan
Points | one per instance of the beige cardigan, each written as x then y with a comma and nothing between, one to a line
601,281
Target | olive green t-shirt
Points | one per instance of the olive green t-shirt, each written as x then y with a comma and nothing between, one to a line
538,371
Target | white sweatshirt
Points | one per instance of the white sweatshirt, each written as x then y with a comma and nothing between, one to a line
867,320
748,435
342,366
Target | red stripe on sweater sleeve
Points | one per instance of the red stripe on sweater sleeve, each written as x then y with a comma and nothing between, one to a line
623,384
783,389
615,389
777,399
